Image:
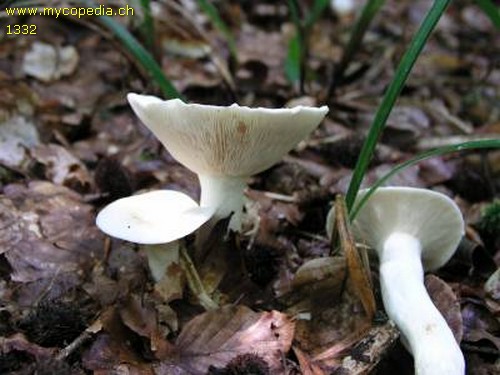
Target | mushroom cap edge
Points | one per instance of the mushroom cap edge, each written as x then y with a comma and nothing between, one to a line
235,141
154,217
431,217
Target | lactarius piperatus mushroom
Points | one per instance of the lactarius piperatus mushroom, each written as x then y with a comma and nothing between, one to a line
156,217
225,145
412,230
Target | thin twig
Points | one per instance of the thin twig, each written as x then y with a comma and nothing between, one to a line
80,340
194,281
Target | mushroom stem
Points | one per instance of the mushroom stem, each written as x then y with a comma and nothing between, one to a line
224,194
407,303
160,257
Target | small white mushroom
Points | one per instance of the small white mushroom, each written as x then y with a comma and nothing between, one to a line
412,230
343,7
225,145
157,217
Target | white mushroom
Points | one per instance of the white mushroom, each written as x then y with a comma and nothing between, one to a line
412,230
343,7
225,145
156,217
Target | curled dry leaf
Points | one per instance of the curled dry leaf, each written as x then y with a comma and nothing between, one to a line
366,353
62,168
139,318
142,319
116,350
314,280
47,63
216,337
358,275
319,269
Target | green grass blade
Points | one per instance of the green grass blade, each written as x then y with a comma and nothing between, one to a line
142,56
390,96
211,11
317,10
369,11
297,47
470,145
294,13
292,62
147,26
491,11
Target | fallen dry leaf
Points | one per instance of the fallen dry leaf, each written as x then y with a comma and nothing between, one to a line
47,63
141,318
266,48
216,337
320,269
479,324
18,342
307,366
447,303
314,280
333,319
366,353
62,168
405,126
47,230
17,134
107,356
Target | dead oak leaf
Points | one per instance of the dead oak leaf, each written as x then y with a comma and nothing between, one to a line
216,337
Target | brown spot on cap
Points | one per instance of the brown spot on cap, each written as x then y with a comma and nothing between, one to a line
242,128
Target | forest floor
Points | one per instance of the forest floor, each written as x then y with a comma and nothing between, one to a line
73,301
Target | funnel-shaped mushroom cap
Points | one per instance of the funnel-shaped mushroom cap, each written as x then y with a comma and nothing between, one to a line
230,141
431,217
152,218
